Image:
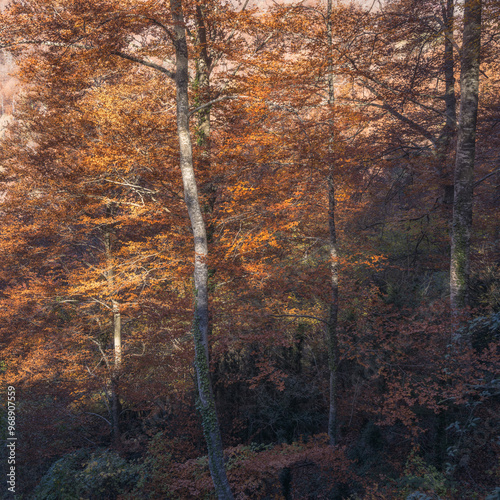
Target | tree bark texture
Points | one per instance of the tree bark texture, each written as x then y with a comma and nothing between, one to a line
464,166
206,402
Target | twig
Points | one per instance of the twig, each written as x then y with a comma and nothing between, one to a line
306,316
100,416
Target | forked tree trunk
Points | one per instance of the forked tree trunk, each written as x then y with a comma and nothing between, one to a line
206,402
333,343
464,166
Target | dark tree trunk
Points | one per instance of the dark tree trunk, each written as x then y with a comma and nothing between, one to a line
333,344
466,149
447,136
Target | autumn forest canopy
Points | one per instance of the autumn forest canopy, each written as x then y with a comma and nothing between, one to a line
250,250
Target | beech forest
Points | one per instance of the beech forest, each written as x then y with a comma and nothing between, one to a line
250,249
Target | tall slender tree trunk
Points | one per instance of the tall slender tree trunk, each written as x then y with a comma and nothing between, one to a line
206,402
333,344
203,65
117,340
116,407
448,133
464,166
117,335
449,76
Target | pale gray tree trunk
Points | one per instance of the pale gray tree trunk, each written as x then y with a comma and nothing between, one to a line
464,166
206,402
117,338
333,343
116,407
117,335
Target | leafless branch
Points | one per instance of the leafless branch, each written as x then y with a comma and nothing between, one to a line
213,101
149,64
305,316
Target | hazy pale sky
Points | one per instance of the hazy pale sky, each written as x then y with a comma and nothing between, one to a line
7,82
